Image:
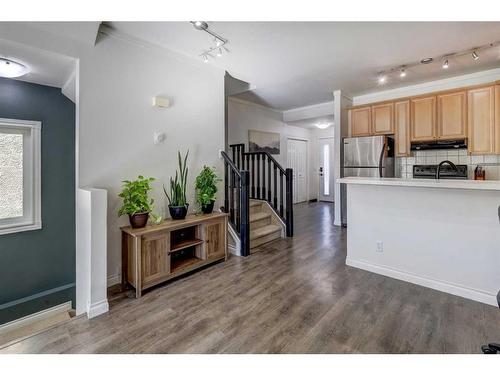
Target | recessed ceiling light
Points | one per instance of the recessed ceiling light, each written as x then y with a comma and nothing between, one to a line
323,125
12,69
402,73
200,25
475,56
382,79
446,64
427,60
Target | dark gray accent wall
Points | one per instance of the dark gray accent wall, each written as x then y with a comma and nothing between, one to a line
37,268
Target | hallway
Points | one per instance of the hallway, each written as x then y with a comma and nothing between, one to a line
293,295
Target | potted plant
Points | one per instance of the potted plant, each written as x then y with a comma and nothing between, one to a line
136,202
206,188
177,202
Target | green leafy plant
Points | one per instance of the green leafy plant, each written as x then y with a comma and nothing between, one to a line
177,196
206,185
135,196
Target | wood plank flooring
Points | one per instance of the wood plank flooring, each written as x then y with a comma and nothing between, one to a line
291,296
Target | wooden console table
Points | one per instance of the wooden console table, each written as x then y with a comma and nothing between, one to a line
156,253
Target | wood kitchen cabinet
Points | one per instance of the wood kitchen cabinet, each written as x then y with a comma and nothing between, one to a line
360,121
452,115
402,127
423,119
497,119
383,118
481,120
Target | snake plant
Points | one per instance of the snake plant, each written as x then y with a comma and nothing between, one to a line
177,196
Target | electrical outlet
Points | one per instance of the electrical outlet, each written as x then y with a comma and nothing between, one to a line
380,246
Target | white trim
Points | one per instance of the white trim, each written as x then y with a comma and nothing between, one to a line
97,309
114,280
308,111
236,250
36,317
485,76
457,290
32,195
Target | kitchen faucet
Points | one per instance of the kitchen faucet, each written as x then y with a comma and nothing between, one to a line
438,170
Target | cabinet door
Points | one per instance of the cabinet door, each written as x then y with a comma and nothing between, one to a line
452,115
481,119
423,118
360,120
155,260
215,240
383,118
497,119
402,129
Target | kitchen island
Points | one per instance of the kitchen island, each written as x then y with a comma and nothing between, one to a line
442,234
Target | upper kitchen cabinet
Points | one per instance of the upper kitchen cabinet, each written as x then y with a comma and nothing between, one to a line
383,118
402,128
452,115
360,121
497,119
481,120
423,118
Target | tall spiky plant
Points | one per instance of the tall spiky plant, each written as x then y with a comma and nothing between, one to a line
178,186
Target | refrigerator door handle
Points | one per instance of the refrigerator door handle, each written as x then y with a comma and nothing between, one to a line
381,160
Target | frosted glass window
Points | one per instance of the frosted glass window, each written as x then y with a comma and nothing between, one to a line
326,169
20,192
11,175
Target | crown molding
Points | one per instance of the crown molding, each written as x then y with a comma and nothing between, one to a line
471,79
309,111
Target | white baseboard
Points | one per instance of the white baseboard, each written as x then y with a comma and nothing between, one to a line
36,317
114,279
442,286
97,309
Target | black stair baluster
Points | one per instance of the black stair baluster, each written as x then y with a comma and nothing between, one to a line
258,175
226,187
275,188
253,176
289,203
245,215
234,153
231,197
263,187
238,203
269,182
281,194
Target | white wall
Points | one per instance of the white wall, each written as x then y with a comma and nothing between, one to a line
446,239
117,122
244,116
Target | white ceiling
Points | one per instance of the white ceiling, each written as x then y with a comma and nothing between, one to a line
311,123
294,64
46,68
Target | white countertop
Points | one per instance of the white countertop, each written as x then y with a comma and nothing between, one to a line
425,183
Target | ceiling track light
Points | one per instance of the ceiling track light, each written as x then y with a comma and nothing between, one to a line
445,60
219,42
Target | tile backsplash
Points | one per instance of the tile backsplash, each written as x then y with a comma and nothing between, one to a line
404,165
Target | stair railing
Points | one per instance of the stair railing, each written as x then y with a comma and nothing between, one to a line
237,201
268,181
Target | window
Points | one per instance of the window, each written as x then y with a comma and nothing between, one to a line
19,175
326,170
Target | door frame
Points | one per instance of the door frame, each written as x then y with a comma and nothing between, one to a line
332,168
289,138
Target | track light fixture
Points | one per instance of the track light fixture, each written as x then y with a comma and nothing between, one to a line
445,60
219,41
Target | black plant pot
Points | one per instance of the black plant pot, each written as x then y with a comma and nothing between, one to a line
178,212
207,208
138,220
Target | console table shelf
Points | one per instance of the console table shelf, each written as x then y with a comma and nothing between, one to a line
157,253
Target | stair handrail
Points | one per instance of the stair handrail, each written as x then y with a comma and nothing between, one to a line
239,220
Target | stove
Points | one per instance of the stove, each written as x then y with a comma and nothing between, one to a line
447,172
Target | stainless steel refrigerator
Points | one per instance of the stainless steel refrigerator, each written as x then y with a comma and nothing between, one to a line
366,157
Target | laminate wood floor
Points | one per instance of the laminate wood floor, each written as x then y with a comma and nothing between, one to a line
290,296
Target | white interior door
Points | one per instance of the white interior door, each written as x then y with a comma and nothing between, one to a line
326,169
297,160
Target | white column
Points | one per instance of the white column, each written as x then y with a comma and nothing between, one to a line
91,252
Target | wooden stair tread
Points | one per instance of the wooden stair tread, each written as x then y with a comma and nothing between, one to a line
264,231
259,216
254,203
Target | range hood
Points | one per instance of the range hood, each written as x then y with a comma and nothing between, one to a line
439,145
